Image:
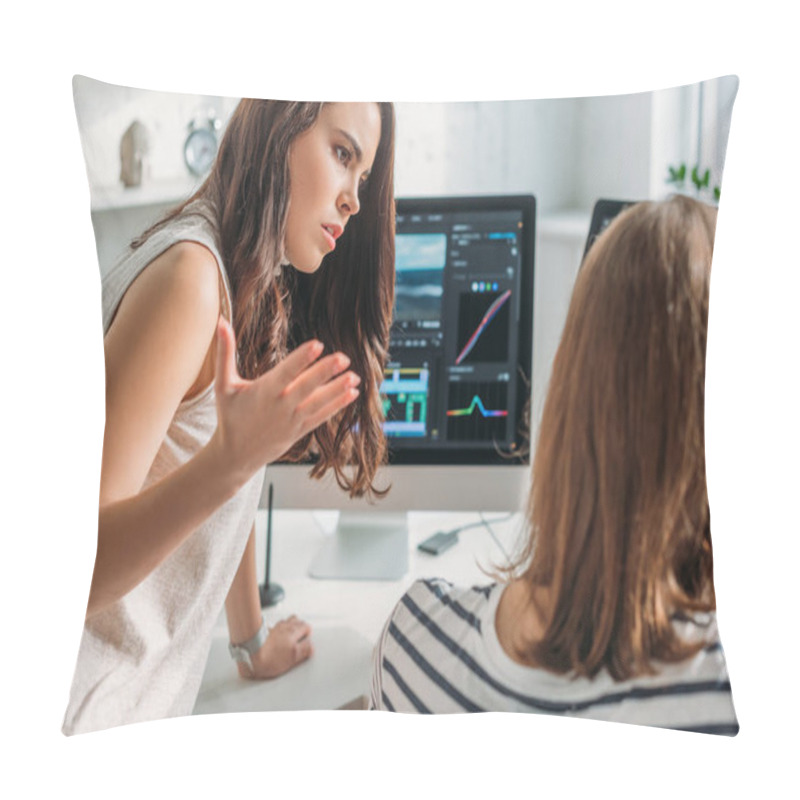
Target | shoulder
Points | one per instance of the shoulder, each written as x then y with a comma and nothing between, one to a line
180,287
189,271
433,621
168,317
696,626
438,591
436,604
427,592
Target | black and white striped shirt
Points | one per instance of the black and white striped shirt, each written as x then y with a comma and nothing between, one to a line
439,653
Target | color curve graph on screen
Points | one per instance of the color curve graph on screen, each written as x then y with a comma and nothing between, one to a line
477,410
476,403
487,345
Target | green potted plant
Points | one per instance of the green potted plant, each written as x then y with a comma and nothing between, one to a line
677,177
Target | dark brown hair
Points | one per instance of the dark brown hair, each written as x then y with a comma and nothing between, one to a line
347,304
618,508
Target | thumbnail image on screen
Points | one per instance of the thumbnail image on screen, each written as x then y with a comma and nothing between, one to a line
419,272
405,393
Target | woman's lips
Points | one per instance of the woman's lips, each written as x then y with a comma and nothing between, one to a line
332,233
329,238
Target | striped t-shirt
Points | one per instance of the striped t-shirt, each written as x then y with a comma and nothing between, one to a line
439,653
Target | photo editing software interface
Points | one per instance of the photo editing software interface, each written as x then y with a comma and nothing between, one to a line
462,328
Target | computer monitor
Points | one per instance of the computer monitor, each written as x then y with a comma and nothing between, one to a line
603,212
457,384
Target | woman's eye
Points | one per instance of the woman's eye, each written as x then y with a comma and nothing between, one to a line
343,154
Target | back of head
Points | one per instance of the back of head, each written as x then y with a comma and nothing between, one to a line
618,506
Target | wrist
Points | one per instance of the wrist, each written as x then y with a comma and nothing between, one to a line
232,476
244,652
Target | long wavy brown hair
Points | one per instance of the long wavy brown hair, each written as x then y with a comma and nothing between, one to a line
618,507
346,304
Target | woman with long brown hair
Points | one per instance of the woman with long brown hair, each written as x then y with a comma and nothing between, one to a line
608,609
230,342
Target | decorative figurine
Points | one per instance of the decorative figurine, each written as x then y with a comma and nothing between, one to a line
134,146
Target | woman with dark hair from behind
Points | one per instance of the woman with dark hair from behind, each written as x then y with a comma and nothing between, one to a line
251,323
608,610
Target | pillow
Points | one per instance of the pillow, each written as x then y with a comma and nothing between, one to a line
146,152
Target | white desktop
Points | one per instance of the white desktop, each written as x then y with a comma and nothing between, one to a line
346,616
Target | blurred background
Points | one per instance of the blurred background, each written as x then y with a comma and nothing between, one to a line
567,152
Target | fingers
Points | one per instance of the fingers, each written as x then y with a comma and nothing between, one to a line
288,644
301,636
319,390
298,633
326,400
296,628
318,393
323,371
226,373
303,650
301,630
296,362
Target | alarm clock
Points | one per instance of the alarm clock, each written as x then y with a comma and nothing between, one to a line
200,147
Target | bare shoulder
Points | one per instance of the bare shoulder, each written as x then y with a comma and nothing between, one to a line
168,317
156,355
185,276
180,287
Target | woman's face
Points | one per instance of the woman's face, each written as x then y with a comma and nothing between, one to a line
327,164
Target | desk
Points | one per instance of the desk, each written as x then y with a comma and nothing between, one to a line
346,617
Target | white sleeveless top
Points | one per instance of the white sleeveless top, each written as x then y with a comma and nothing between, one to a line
143,657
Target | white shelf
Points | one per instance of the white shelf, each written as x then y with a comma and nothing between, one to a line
108,198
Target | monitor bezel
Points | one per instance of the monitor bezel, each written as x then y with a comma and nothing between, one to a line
604,209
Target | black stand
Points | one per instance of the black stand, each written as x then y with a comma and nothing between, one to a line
270,593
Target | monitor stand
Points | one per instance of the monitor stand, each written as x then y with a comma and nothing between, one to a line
370,546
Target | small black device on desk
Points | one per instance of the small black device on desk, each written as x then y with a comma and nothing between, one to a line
438,543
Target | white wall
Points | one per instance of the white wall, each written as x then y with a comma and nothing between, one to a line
613,148
494,147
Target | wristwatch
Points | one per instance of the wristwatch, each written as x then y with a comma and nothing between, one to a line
246,650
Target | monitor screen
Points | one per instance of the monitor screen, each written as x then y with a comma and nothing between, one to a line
603,213
458,376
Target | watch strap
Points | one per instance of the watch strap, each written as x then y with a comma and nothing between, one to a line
244,651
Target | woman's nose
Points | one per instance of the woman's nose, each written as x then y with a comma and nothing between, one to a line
349,202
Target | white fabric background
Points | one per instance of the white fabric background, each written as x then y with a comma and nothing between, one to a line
53,383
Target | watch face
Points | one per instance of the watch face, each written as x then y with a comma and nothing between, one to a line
200,150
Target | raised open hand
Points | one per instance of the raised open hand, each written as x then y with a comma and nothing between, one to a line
260,420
